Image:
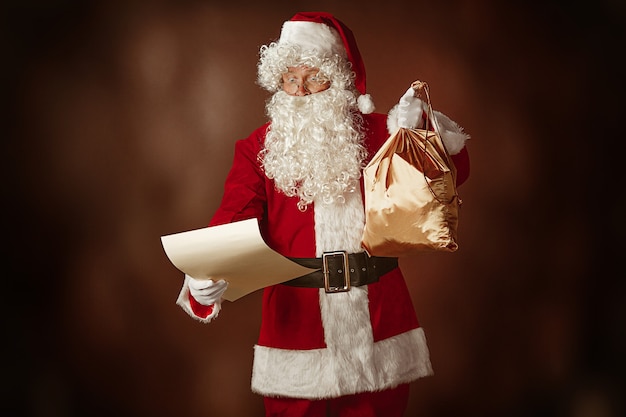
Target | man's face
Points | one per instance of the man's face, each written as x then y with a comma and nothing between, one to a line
302,81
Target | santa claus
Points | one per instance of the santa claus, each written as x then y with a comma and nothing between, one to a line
325,348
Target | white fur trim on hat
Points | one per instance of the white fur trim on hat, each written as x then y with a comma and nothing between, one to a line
312,36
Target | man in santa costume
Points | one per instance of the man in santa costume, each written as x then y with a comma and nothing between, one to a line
323,349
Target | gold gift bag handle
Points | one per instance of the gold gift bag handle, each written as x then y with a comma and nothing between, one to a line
430,115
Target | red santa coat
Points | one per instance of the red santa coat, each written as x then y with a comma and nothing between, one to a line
312,344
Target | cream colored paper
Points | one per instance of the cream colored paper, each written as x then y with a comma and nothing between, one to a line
234,252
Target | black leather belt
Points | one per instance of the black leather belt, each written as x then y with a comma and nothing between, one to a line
338,271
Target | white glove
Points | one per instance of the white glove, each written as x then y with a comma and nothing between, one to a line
410,108
207,292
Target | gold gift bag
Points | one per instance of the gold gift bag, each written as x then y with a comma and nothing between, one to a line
411,200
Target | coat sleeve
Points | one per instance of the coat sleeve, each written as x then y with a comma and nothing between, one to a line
244,190
244,198
462,163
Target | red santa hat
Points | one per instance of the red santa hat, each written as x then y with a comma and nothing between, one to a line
326,34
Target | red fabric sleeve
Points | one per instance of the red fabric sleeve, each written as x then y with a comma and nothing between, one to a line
462,163
198,309
244,189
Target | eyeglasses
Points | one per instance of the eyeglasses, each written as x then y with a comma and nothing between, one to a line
304,81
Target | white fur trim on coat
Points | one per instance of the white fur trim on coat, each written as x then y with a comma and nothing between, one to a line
321,373
452,134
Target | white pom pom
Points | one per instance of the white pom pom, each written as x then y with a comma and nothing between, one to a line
366,104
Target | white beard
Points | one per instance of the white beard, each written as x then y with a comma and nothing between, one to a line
313,149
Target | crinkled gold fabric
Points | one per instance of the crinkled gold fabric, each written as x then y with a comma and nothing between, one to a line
411,202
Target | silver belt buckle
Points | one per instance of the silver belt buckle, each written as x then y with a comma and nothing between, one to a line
346,272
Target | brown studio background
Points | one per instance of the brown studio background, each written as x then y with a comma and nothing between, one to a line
121,119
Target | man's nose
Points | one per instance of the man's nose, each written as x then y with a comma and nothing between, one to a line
301,90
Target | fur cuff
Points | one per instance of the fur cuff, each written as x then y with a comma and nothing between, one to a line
452,134
184,303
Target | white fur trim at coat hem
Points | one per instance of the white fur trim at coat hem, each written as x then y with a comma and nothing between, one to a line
452,134
183,302
312,374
